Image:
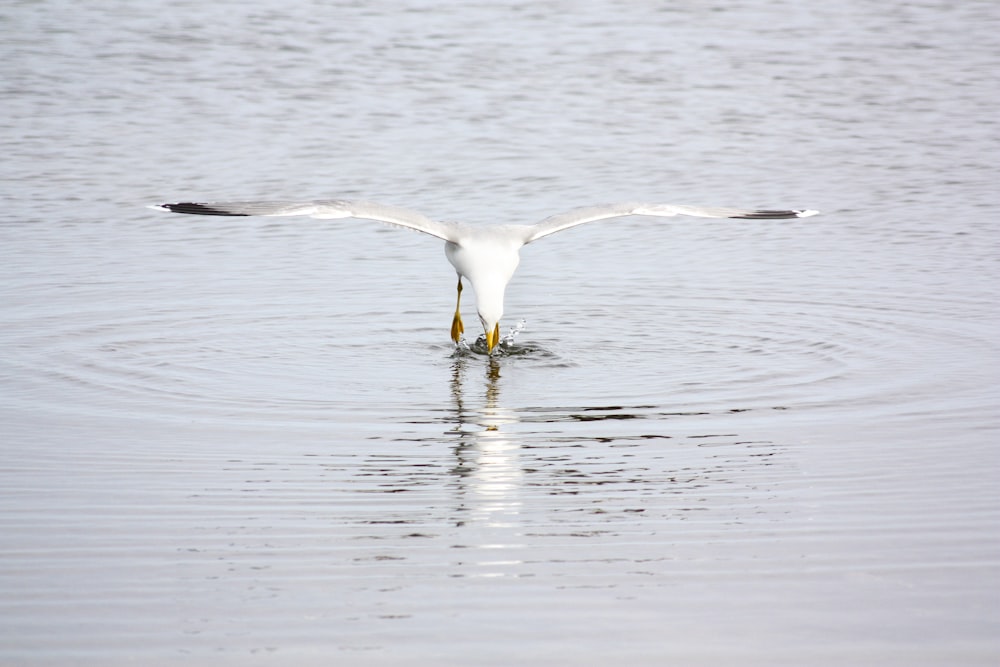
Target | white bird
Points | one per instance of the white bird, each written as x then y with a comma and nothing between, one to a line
485,256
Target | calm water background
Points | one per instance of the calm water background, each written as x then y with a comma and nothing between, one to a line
249,441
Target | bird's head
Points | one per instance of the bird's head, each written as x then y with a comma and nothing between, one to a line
491,325
488,262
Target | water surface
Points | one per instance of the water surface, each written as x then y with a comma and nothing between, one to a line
250,441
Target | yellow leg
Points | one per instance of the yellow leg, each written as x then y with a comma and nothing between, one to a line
456,323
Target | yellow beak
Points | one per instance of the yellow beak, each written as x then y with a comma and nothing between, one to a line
492,338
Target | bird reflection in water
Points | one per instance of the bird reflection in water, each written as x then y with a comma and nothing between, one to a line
487,471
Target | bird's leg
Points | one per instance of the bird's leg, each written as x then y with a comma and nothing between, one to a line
456,323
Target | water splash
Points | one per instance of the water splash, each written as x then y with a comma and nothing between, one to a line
504,347
512,333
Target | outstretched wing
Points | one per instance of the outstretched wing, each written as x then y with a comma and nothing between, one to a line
323,209
579,216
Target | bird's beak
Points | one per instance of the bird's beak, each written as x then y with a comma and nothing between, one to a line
492,338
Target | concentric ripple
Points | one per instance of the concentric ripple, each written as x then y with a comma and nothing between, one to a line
288,362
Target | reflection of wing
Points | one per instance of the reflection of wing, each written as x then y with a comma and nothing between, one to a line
579,216
323,209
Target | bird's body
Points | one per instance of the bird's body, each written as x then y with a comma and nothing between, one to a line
486,257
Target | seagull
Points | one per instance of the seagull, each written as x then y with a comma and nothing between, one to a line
485,256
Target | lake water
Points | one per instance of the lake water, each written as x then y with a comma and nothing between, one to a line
241,441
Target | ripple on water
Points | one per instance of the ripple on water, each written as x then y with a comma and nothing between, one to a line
851,352
726,353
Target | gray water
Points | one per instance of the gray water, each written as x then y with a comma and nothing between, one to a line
251,442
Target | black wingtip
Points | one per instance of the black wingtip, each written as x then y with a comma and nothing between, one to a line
196,209
776,215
